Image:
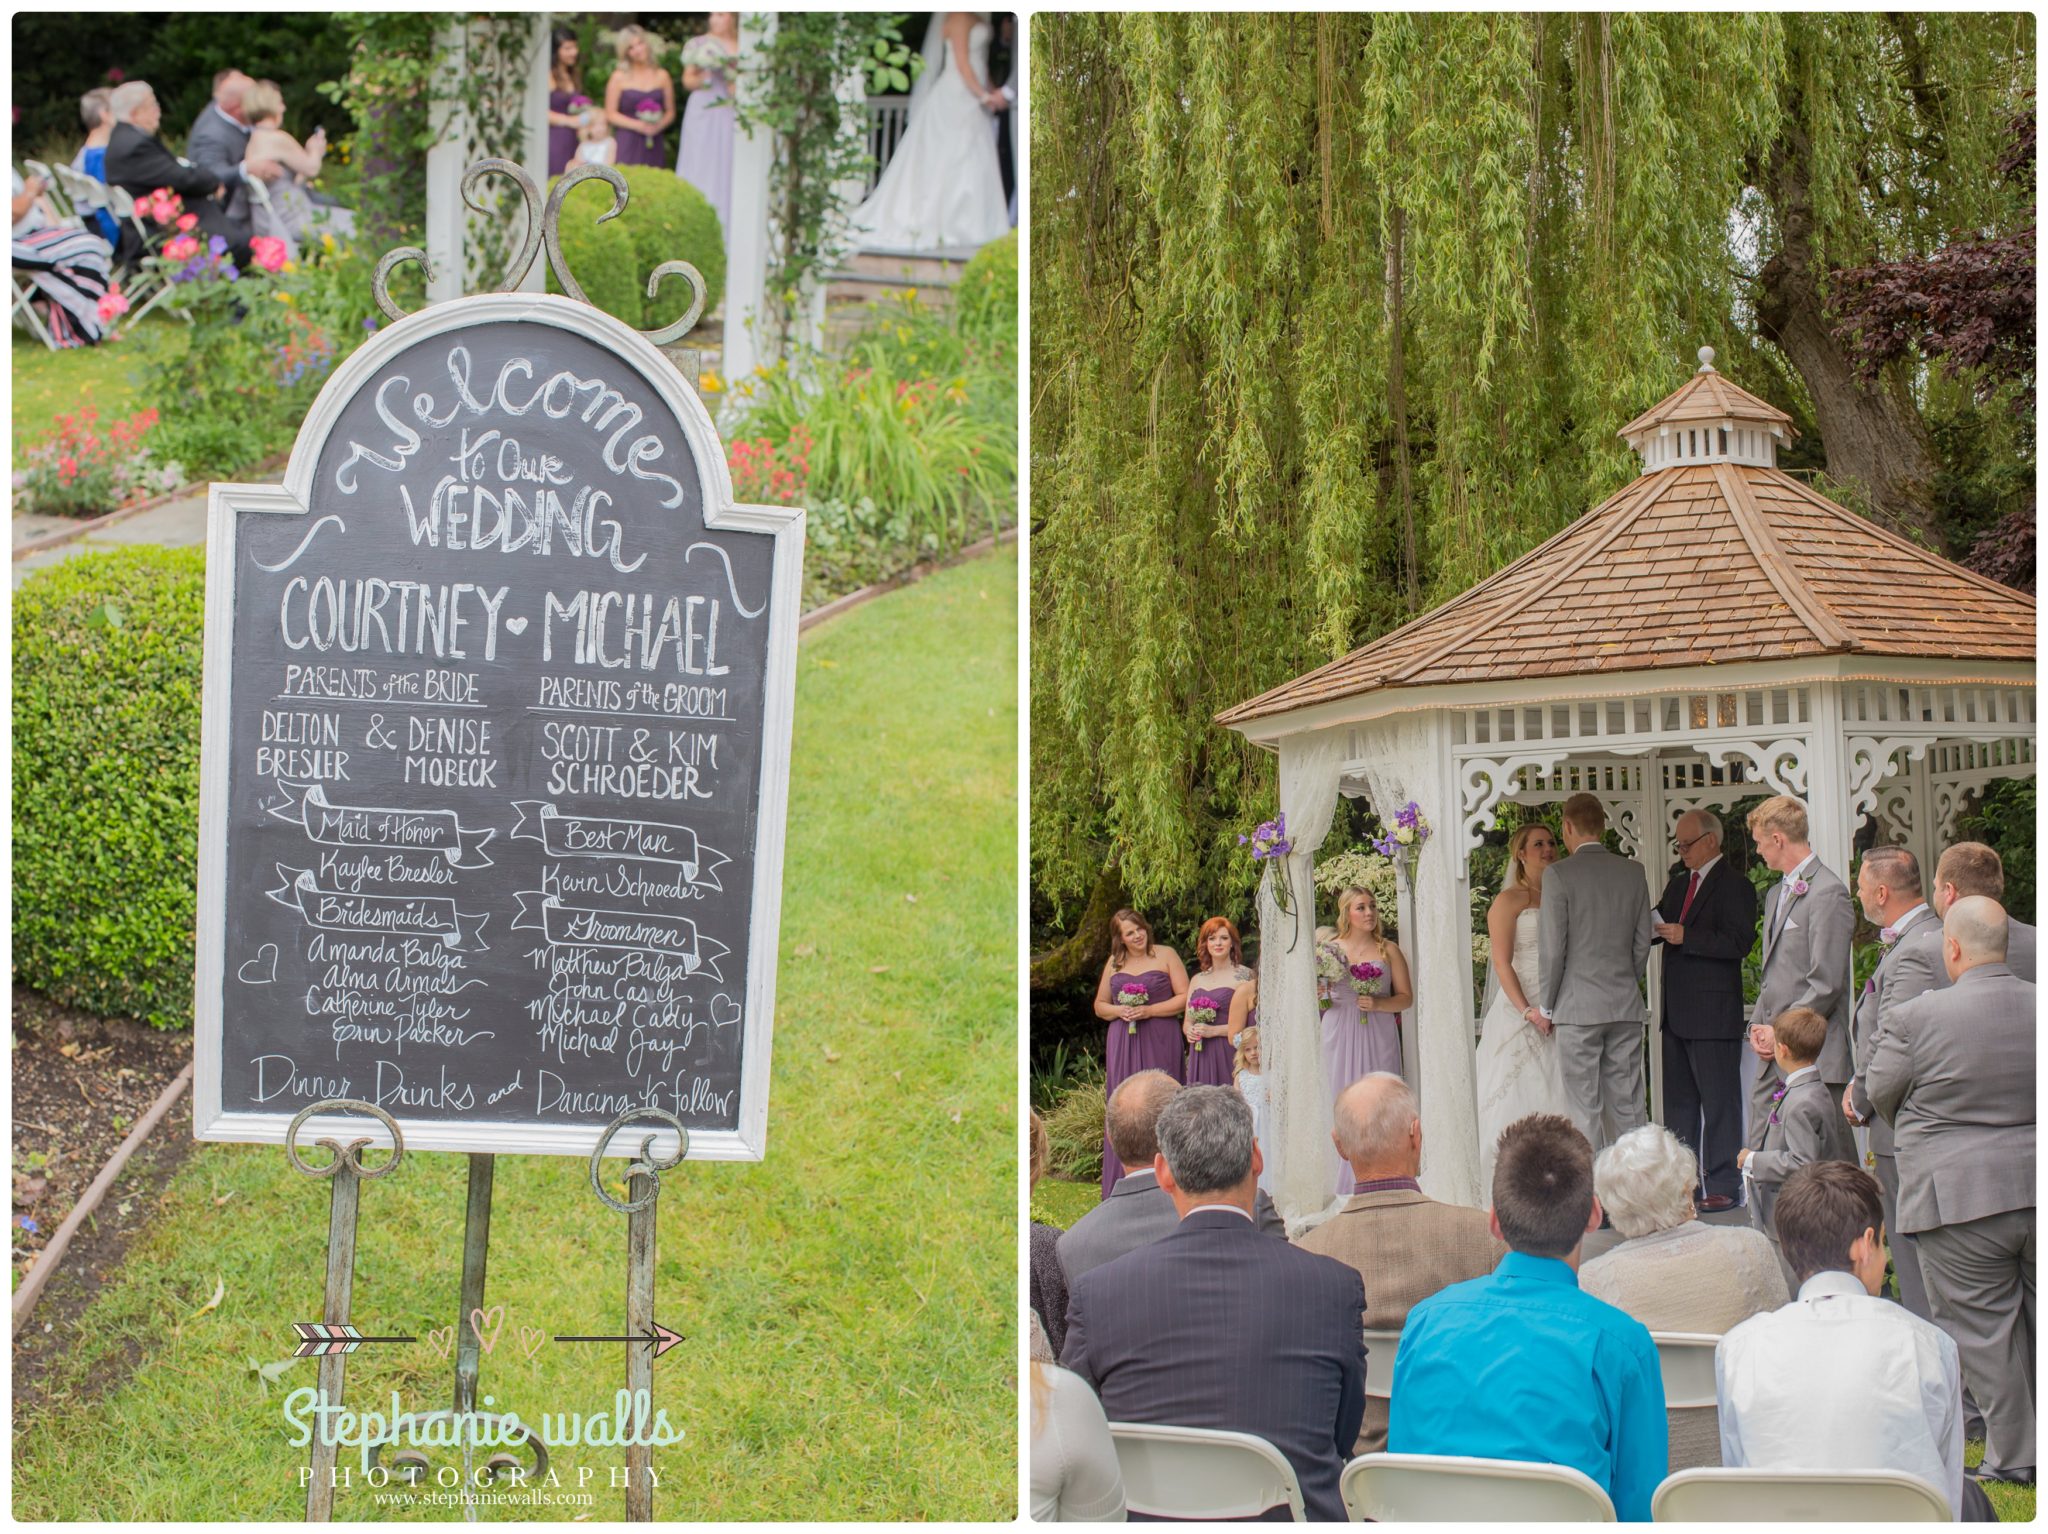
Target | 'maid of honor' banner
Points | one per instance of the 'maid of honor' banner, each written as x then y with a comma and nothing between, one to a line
497,716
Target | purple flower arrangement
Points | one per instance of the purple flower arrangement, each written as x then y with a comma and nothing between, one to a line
1405,837
1202,1015
1269,840
1133,996
1365,975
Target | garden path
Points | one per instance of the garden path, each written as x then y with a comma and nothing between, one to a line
175,524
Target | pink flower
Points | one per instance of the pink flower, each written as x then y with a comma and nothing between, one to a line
1799,887
112,303
116,75
269,252
184,248
188,223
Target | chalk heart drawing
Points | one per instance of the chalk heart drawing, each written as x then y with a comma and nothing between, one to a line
515,625
495,1316
718,1014
443,1338
259,971
530,1339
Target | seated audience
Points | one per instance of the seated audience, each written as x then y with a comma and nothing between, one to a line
1671,1270
91,160
1048,1284
219,141
289,214
1805,1123
1138,1210
1523,1364
1971,868
1840,1379
138,163
1404,1244
1075,1477
67,266
1215,1325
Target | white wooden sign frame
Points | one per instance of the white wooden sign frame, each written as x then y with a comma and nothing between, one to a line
747,1142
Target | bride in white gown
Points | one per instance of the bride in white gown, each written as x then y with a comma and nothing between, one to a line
1517,1068
943,187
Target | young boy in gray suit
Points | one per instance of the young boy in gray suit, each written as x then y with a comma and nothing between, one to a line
1805,1123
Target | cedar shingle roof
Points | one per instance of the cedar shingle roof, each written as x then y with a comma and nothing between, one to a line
1709,396
1688,565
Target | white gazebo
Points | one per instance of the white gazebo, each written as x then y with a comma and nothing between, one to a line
1714,631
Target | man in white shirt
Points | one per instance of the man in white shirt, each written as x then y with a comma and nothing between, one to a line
1840,1379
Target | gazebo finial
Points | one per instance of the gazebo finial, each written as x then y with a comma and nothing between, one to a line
1706,359
1709,419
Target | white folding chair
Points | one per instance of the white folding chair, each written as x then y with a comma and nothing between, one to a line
1200,1473
1798,1496
86,195
1687,1360
55,188
24,291
1380,1348
1447,1488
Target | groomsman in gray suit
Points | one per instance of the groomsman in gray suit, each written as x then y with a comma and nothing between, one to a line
1808,927
1954,1071
1971,868
1888,886
1593,947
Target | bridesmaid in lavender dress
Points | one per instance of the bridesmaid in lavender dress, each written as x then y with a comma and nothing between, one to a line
1143,1035
565,84
1211,1055
640,101
705,159
1362,1033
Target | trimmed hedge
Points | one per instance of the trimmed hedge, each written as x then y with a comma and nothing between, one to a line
985,298
666,219
106,781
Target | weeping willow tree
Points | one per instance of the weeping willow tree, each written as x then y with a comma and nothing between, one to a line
1333,315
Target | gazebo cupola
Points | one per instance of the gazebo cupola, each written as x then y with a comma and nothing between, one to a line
1709,420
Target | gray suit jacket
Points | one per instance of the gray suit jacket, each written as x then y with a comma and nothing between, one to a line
1810,1128
1807,962
1593,939
2019,950
1954,1071
1137,1212
217,146
1911,965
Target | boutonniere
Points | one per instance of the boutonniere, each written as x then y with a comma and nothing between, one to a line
1799,887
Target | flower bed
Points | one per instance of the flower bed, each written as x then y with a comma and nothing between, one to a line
82,469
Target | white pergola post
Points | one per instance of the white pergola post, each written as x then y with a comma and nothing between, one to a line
535,156
1827,773
446,162
746,242
1444,1070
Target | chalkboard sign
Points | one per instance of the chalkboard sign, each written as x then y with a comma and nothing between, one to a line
498,688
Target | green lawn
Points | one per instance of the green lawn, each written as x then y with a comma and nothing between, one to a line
850,1303
48,384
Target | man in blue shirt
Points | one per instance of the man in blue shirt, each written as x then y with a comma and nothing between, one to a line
1521,1364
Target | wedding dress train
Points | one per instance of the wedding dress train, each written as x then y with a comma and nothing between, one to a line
943,188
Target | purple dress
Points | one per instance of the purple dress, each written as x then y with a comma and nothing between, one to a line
1214,1064
641,148
561,140
1156,1046
705,160
1354,1044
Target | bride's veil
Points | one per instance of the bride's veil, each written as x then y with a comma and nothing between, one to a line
934,59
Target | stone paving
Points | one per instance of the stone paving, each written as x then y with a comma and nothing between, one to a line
175,524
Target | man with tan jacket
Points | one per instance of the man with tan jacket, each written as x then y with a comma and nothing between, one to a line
1404,1244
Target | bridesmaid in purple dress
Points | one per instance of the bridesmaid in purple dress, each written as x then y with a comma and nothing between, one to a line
1212,1063
565,84
1362,1033
640,101
1144,1035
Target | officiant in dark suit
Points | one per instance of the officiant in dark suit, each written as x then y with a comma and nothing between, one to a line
1706,927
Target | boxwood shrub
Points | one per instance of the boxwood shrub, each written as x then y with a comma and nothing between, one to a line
985,298
667,219
106,781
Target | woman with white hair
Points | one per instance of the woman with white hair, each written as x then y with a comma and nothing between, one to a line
1672,1271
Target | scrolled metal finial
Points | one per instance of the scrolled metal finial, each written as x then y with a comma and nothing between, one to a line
551,220
522,263
351,1153
380,284
645,1163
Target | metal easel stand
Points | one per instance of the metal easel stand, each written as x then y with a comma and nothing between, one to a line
643,1189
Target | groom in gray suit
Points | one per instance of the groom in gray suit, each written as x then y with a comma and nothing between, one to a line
1808,924
1594,947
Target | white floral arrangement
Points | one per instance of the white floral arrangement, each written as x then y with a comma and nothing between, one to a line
703,53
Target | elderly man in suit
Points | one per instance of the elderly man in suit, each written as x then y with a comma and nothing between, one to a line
1593,945
1954,1071
1888,887
1137,1211
1808,927
1404,1244
138,163
1707,927
1215,1326
219,141
1972,868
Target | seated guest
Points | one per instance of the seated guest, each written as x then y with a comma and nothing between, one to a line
138,163
1215,1325
290,215
1840,1379
91,159
1048,1284
66,266
219,141
1404,1244
1672,1271
1137,1210
1805,1123
1523,1364
1972,868
1075,1477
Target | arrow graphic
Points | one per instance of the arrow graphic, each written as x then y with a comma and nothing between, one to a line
319,1339
661,1339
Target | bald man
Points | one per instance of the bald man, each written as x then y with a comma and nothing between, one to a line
1953,1069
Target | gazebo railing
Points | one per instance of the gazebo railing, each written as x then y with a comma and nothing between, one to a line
888,116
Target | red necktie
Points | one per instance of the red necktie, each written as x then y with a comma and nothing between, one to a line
1691,890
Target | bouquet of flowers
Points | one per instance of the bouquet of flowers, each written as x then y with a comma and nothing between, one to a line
649,110
702,53
1330,968
1269,840
1133,996
1405,837
1365,976
1202,1015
